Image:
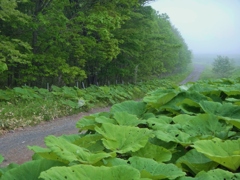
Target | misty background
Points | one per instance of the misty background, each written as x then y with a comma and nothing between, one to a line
209,27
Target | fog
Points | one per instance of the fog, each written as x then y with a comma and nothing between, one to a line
208,26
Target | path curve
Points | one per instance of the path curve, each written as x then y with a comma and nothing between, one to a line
195,74
13,145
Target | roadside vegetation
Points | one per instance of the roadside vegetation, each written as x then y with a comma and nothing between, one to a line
187,132
26,106
221,67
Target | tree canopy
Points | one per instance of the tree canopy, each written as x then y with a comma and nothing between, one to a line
61,42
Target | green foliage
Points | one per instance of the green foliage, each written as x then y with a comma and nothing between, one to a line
223,67
225,153
153,170
195,162
150,46
134,108
213,174
3,67
22,172
1,158
23,106
191,134
14,50
74,153
123,139
91,172
96,42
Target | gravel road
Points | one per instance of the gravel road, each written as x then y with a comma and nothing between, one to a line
13,145
195,74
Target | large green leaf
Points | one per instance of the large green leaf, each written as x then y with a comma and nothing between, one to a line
72,137
186,178
114,162
158,122
226,153
131,107
231,90
45,153
173,133
73,153
70,103
157,153
123,139
217,174
203,126
123,118
159,97
235,122
103,119
205,89
92,142
1,158
167,145
163,123
189,106
226,111
88,172
196,162
87,123
29,170
7,168
154,170
179,103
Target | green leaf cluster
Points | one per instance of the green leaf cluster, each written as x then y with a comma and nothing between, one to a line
176,133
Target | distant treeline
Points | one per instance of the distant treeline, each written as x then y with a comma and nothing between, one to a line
69,41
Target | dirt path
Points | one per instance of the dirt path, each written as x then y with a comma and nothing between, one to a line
13,145
195,74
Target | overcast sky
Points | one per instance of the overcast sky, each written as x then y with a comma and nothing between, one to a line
208,26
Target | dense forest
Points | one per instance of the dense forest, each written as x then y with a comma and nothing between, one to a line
95,42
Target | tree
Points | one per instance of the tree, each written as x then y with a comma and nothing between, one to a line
14,51
223,66
61,42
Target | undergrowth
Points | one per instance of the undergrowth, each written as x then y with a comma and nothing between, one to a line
187,132
26,106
